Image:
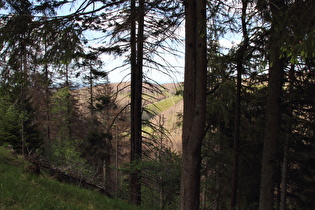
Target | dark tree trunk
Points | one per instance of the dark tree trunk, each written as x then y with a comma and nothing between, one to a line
23,96
47,97
237,124
273,112
91,94
272,128
285,162
218,172
239,60
284,174
136,98
194,102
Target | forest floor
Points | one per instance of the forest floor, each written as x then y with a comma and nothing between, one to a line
21,189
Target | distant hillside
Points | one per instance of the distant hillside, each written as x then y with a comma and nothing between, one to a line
171,120
166,106
161,101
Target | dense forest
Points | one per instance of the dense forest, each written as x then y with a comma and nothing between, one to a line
248,117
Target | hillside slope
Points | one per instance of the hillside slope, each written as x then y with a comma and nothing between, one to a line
164,106
169,117
20,189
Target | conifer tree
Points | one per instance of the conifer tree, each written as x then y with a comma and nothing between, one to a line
194,102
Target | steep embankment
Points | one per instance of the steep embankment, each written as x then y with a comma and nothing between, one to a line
20,189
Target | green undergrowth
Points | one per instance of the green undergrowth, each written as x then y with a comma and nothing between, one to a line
20,189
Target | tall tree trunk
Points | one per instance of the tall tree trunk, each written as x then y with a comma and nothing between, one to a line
239,60
237,124
47,111
284,174
218,166
23,95
272,128
285,162
194,102
136,97
69,105
273,112
47,96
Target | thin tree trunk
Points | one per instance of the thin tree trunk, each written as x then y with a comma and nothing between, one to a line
23,96
284,174
91,94
194,102
23,136
116,160
240,56
68,117
108,187
218,172
47,96
236,135
285,162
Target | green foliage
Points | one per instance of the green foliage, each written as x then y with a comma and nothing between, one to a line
64,150
30,44
62,113
160,170
61,102
9,122
102,102
299,126
218,144
97,146
15,122
21,190
161,177
68,158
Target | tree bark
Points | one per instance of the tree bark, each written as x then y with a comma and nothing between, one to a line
239,60
285,162
218,166
194,102
237,124
91,94
272,128
47,96
136,98
273,112
271,135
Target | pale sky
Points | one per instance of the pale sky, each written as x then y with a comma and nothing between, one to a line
122,74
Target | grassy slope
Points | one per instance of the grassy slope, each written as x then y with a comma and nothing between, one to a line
168,110
21,190
164,104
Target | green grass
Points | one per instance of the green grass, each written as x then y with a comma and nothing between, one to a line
160,106
22,190
164,104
